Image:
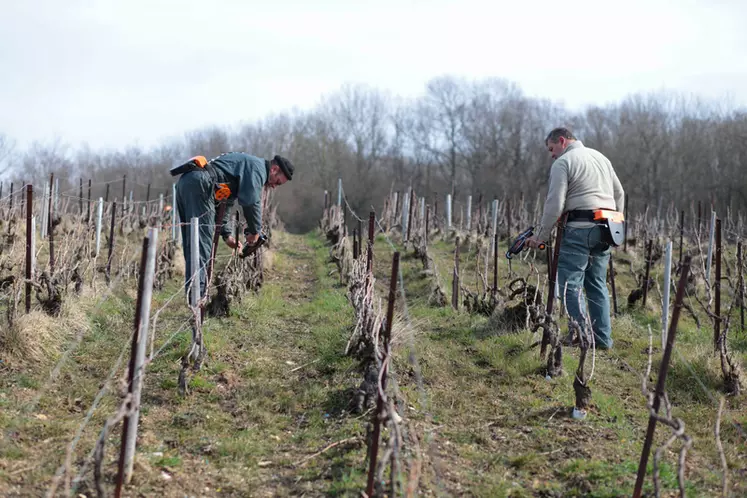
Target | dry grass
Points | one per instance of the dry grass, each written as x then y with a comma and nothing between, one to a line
37,338
474,371
268,259
277,389
404,329
178,262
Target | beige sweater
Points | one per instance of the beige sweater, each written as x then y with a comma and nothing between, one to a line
580,178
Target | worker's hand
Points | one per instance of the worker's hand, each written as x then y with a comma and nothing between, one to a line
252,239
233,243
534,242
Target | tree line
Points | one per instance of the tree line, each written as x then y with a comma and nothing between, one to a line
482,138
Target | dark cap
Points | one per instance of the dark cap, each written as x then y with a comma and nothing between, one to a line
285,166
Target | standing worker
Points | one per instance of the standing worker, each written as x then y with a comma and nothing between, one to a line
204,184
585,191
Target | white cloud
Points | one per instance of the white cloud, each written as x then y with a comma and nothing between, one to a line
112,73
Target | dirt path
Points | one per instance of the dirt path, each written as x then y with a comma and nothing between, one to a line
269,397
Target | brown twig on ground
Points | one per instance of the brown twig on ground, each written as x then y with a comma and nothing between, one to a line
326,448
303,366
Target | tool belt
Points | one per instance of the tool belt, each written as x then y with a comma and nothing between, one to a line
222,190
612,223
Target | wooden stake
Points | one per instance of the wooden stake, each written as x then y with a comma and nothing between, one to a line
380,400
717,291
29,235
88,215
612,284
145,293
369,256
111,242
741,283
682,233
50,225
660,382
648,271
124,194
360,237
131,371
495,263
411,203
455,278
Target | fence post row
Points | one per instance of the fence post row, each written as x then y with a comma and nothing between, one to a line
49,210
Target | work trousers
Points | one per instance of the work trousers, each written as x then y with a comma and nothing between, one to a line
582,265
195,199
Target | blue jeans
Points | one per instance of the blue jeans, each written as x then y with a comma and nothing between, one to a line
582,264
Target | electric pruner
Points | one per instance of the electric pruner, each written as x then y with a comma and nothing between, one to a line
518,244
249,250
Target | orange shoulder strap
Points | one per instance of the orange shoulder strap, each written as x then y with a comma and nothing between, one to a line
200,161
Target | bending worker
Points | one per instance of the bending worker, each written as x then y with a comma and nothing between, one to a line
230,176
585,191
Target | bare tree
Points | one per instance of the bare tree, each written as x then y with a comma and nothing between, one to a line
42,159
208,142
7,146
481,138
441,130
487,133
361,116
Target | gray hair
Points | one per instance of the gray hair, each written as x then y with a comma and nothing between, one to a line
557,133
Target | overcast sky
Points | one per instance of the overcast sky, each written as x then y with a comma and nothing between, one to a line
115,73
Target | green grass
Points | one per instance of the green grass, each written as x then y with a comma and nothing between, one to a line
477,375
277,389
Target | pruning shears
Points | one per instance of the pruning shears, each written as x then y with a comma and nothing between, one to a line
518,244
249,250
